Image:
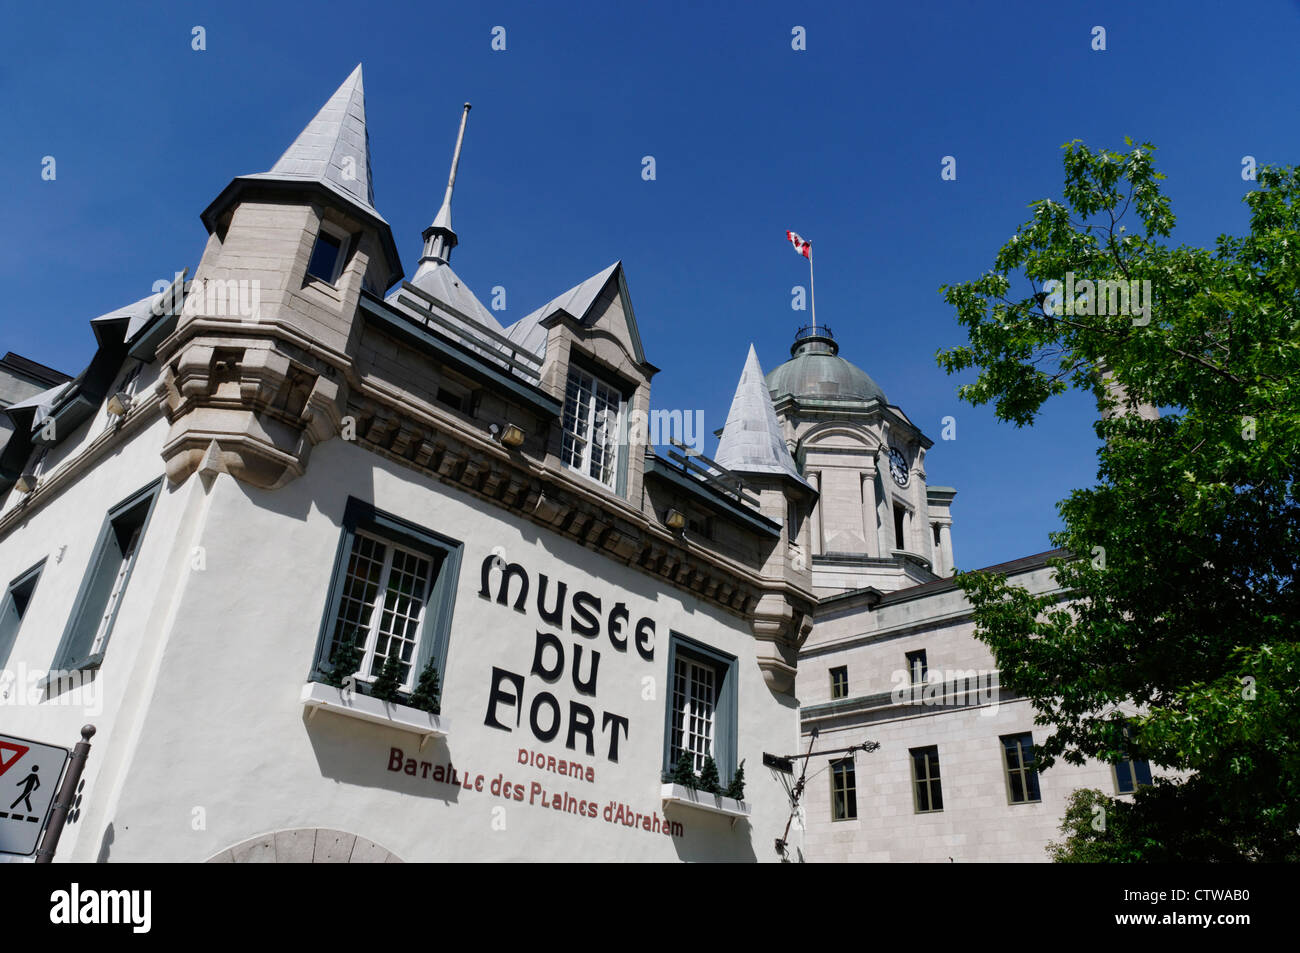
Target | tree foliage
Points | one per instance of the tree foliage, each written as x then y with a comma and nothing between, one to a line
1180,574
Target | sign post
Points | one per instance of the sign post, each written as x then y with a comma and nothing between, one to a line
29,774
67,793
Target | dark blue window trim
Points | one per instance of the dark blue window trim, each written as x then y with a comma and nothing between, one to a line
9,605
435,632
73,633
726,708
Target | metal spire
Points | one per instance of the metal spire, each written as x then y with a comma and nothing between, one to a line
439,238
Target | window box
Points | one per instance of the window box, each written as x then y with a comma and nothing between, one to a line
317,696
703,801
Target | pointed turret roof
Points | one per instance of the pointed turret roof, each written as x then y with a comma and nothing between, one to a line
332,153
752,441
334,149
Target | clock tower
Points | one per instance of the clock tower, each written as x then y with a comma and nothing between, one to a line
878,522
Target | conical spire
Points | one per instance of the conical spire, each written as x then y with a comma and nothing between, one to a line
752,441
439,238
334,149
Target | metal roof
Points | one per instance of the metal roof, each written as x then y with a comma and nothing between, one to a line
752,441
528,333
334,149
816,370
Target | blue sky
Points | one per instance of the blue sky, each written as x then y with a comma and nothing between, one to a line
841,142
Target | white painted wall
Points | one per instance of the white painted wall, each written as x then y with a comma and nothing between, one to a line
225,731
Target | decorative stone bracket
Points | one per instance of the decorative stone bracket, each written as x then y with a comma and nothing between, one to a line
780,629
250,411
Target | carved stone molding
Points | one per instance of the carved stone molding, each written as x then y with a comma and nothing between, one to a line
252,411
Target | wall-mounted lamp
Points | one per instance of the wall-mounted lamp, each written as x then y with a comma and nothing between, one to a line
511,436
26,482
675,519
119,404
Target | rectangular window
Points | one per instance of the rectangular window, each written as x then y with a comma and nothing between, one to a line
926,788
844,791
702,709
1022,776
14,608
898,527
104,587
327,256
916,666
840,682
591,420
392,595
1129,773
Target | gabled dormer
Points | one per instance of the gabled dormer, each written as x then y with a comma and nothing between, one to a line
593,361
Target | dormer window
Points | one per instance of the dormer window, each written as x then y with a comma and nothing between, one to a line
592,415
328,256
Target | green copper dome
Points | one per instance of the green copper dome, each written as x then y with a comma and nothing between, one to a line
815,369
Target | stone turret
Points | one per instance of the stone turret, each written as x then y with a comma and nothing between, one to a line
753,448
257,370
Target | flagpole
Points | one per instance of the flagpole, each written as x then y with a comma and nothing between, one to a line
813,288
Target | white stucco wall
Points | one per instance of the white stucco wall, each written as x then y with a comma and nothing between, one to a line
225,752
64,533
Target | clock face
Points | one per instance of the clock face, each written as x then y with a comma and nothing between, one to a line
898,466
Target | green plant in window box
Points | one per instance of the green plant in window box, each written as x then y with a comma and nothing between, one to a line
387,684
344,662
684,771
736,789
428,692
710,783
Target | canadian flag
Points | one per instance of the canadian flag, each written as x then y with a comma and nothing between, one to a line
802,247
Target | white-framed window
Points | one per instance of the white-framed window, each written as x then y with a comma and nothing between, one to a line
695,702
592,418
329,254
385,594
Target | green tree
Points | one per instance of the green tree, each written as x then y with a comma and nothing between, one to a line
710,783
684,770
344,661
736,789
1181,560
428,692
387,684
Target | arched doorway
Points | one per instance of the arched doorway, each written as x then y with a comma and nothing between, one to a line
306,845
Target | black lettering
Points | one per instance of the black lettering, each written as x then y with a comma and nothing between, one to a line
496,696
588,607
645,639
508,572
554,729
545,640
554,616
581,720
589,686
617,616
619,722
